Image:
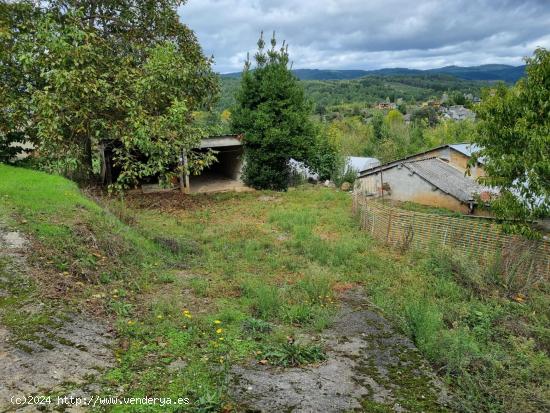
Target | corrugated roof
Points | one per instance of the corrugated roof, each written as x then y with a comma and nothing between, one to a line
467,149
359,163
446,178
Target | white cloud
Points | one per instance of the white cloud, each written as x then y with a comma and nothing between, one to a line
361,34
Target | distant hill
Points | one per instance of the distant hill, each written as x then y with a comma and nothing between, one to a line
369,89
491,72
510,74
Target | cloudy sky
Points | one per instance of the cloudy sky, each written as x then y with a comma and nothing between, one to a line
372,34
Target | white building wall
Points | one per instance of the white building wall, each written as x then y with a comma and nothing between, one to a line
400,184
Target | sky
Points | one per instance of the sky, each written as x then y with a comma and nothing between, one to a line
372,34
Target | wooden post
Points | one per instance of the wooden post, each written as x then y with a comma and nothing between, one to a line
372,223
181,179
381,184
186,171
389,228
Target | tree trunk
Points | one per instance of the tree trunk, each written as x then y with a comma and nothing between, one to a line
106,160
184,174
83,172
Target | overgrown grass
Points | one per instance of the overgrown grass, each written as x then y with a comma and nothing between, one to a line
109,267
197,289
491,343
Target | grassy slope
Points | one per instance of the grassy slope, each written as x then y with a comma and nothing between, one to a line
227,268
268,259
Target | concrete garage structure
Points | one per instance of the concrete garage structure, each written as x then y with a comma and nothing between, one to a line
225,174
431,181
222,176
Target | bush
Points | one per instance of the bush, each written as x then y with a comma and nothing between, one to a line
344,174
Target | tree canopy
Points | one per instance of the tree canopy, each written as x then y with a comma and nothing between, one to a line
14,128
514,136
104,85
274,116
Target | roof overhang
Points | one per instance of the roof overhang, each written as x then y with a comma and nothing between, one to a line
221,141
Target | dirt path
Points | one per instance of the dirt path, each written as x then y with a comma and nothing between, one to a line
58,353
370,368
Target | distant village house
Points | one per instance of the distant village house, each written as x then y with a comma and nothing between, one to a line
386,105
435,178
455,154
458,112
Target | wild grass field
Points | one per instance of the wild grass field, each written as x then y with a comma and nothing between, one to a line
195,285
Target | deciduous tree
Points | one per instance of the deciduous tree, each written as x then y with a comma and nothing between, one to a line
514,137
16,20
117,83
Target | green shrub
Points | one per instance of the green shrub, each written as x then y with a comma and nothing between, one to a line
344,174
274,115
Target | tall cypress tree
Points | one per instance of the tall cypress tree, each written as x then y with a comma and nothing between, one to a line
274,116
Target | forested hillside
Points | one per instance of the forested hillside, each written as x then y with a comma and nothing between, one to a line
369,89
372,89
332,87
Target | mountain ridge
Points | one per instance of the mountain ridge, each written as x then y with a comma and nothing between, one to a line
488,72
